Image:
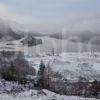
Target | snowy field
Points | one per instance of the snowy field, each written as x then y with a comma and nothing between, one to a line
40,95
70,65
69,62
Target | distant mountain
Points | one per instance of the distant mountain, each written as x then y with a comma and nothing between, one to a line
87,36
56,35
84,37
7,33
10,35
36,34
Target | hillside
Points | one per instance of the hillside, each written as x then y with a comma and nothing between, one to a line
40,95
71,65
83,36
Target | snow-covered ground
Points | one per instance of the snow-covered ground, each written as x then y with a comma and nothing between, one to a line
14,91
40,95
9,87
70,65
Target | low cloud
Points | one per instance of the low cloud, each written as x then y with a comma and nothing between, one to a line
71,22
82,22
26,23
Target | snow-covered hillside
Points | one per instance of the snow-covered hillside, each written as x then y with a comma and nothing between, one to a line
71,65
40,95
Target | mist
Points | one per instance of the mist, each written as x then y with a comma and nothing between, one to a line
71,22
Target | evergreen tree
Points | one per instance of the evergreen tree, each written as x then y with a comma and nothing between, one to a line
9,73
53,52
41,68
95,88
49,75
41,72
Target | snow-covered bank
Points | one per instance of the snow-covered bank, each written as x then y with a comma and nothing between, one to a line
40,95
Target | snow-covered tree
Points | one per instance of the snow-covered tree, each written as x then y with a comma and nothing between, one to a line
41,81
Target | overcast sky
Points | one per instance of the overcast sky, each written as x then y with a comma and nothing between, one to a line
52,15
